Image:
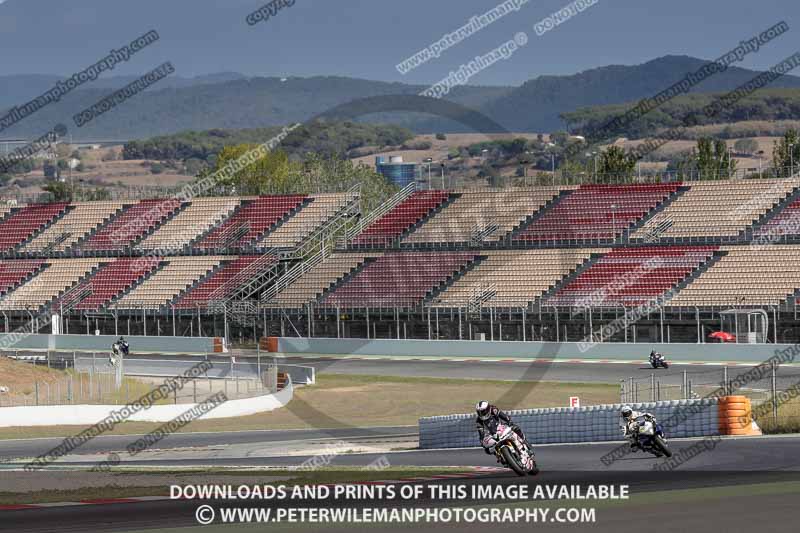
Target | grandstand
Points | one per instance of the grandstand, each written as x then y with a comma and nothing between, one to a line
553,262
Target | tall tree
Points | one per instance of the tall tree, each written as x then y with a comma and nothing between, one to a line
615,166
786,153
713,160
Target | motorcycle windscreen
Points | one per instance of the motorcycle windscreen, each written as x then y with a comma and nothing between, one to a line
647,428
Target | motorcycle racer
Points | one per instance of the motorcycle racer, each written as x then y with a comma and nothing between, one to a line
488,416
628,416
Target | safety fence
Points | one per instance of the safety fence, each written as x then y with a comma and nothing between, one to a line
93,379
773,393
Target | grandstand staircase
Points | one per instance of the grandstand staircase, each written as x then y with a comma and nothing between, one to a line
51,246
746,235
169,216
147,275
322,241
657,213
428,216
480,296
78,292
454,276
697,272
195,283
317,247
41,229
532,218
580,269
199,238
294,211
250,280
77,244
376,213
25,280
480,233
344,279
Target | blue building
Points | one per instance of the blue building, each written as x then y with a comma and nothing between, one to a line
396,170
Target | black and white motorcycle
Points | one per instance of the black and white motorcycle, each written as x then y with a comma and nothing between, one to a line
658,360
118,348
512,451
647,435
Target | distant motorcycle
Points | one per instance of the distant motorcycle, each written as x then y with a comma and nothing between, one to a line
657,360
648,435
512,453
119,347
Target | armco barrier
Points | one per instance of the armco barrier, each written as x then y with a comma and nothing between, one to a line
574,424
102,343
746,353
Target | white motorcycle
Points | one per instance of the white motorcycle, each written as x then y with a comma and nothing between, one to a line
512,452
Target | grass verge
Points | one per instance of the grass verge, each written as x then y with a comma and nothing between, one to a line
354,400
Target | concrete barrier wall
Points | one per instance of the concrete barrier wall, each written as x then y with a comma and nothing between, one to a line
87,415
102,343
568,424
677,352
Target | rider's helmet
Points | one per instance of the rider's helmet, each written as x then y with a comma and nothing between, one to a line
483,409
626,412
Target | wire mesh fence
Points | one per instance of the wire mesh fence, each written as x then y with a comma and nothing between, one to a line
96,380
774,392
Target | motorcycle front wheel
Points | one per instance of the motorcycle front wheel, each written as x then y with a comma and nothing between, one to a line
511,461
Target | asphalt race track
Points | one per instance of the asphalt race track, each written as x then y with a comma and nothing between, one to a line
734,462
769,461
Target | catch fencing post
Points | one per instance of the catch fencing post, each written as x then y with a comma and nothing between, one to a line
36,392
684,391
725,380
774,392
194,391
653,387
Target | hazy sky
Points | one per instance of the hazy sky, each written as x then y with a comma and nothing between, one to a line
367,38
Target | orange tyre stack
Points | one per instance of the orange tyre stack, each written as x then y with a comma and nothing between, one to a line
736,416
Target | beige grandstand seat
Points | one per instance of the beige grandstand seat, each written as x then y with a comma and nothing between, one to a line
200,216
478,210
6,208
165,284
747,275
717,208
319,278
57,278
78,222
513,278
322,208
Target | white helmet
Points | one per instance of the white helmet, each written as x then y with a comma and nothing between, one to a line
483,409
626,412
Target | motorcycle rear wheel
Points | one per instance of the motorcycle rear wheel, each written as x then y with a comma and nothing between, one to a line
511,461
